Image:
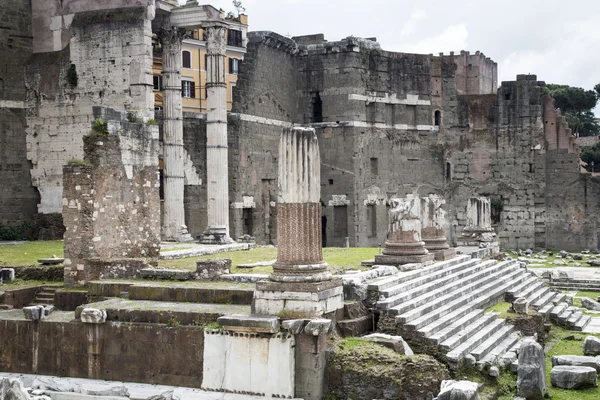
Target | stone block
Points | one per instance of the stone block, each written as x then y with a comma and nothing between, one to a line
249,323
591,346
294,326
578,361
213,269
7,274
166,274
34,313
590,304
573,377
395,343
93,316
531,372
13,389
355,309
455,390
520,305
318,327
356,326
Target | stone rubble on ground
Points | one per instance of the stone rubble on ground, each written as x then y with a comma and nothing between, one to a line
591,346
531,370
577,361
573,377
458,390
34,313
590,304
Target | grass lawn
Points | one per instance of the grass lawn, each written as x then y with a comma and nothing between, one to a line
29,252
339,259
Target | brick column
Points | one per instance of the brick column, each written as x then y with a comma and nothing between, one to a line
217,173
300,281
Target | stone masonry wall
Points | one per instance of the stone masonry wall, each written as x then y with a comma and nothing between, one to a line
107,63
111,206
19,197
146,353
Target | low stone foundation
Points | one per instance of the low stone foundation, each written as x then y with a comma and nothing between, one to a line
19,298
111,268
53,273
69,300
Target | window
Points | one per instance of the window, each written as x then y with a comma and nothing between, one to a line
372,220
188,90
186,59
317,108
248,223
157,82
234,38
437,118
234,65
340,221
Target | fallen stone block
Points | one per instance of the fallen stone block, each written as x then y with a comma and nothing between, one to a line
591,346
34,313
13,389
577,361
494,372
520,305
458,390
48,310
104,390
355,309
7,274
531,370
355,326
249,323
395,343
590,304
213,269
54,385
93,316
294,326
507,359
571,377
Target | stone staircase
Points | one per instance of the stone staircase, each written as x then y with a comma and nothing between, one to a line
587,285
44,297
443,305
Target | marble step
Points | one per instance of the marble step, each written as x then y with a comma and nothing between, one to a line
451,323
452,272
513,293
557,311
580,325
468,331
470,344
502,348
538,295
388,282
488,345
440,286
480,294
422,304
543,301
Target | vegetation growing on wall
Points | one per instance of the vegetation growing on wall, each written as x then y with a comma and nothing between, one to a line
576,105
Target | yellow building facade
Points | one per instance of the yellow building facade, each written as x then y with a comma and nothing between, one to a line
193,62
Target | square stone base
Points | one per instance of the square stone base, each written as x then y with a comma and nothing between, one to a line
298,300
383,259
443,255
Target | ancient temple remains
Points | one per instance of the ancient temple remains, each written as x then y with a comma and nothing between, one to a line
300,281
433,219
479,231
404,244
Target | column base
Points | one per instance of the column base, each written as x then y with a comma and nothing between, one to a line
215,236
424,259
298,300
443,255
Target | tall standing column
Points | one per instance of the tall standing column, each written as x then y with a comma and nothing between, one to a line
217,174
432,233
174,227
300,281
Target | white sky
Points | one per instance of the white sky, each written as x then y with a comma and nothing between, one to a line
557,40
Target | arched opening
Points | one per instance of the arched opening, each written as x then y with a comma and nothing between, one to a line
186,59
437,118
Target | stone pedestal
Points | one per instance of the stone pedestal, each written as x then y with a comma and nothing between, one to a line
437,244
404,244
300,283
173,227
217,175
432,233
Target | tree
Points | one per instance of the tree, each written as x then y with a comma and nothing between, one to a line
591,154
576,105
237,4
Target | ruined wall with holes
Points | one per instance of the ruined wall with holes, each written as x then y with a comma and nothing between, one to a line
107,62
111,206
19,197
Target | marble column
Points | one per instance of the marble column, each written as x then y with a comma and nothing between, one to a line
174,228
217,175
478,231
404,244
433,218
300,281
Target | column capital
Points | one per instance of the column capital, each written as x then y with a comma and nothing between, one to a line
216,37
171,37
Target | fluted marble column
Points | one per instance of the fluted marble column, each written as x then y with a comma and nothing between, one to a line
300,282
174,227
433,220
299,253
478,231
217,172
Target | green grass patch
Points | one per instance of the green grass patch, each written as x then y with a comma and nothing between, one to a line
501,307
29,252
21,284
338,259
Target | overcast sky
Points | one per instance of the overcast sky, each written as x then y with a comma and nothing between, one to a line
556,39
